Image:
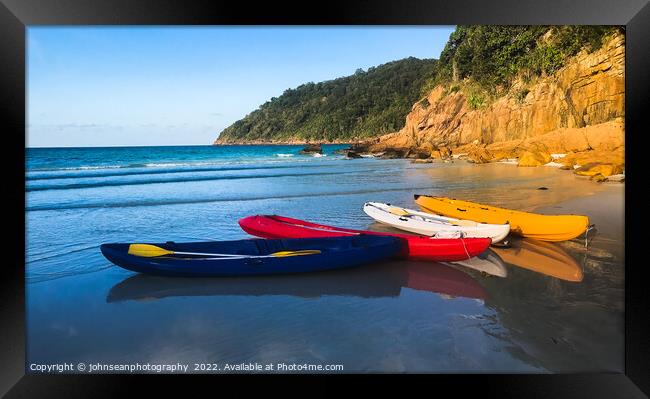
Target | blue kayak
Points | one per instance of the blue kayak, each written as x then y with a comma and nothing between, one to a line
251,256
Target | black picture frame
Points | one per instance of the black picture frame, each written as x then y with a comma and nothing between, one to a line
15,15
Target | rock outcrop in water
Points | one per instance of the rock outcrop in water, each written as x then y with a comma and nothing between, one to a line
352,155
579,111
312,149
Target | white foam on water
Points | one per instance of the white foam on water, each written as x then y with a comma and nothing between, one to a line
130,166
283,155
84,168
172,164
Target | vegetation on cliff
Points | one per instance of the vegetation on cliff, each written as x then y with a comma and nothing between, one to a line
494,56
362,105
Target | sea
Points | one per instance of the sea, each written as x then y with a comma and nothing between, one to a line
393,316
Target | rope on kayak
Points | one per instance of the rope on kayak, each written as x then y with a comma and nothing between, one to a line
589,228
462,239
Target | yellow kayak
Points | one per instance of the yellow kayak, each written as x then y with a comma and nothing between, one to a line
526,224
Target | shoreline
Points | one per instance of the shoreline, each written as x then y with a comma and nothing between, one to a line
584,164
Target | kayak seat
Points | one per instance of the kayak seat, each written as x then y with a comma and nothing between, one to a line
270,246
262,247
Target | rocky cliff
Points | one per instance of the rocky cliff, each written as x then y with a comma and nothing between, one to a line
578,110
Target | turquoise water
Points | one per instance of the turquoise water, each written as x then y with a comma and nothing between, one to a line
393,316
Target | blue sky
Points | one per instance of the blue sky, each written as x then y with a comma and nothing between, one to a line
112,86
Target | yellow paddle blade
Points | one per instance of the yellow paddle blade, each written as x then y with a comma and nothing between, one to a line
397,211
282,254
147,250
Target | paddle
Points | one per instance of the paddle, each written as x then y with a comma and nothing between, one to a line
151,251
403,212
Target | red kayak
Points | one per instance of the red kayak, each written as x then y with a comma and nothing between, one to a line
416,247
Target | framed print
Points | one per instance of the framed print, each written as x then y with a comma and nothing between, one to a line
438,188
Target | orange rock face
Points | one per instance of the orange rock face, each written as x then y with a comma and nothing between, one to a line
578,109
599,168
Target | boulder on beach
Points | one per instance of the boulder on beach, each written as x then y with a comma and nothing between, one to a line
595,169
501,155
598,178
536,158
477,154
614,157
312,149
416,153
441,152
343,151
394,153
616,178
360,147
500,151
352,154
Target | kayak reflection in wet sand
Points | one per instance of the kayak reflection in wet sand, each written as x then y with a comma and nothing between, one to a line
488,262
385,280
542,257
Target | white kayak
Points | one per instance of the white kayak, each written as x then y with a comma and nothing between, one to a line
433,225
